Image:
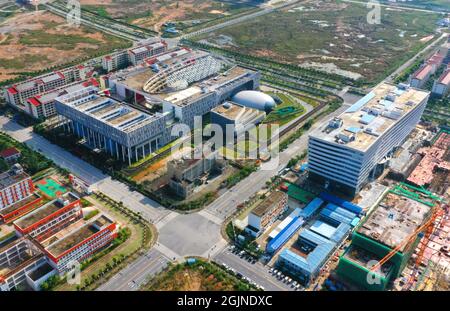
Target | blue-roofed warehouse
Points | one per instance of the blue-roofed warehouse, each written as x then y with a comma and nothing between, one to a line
333,214
341,202
305,262
333,233
281,238
311,208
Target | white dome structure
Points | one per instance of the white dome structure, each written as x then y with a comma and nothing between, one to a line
254,99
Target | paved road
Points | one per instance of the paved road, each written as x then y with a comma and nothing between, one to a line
257,272
117,32
118,191
135,274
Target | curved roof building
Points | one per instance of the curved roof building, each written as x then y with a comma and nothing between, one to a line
254,99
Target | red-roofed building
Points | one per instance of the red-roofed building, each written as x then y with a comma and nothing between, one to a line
133,56
441,86
43,222
421,76
10,155
18,94
43,106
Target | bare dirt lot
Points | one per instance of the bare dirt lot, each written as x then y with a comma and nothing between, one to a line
45,40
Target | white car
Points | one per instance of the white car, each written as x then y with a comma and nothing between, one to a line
271,270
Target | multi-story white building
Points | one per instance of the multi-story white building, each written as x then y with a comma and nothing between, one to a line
20,259
43,105
17,94
109,125
184,83
441,86
133,56
345,152
139,53
267,212
15,185
116,61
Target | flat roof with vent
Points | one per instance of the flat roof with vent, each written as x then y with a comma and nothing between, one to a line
46,210
372,116
75,234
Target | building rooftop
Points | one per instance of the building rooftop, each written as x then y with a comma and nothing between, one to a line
19,204
16,263
107,110
178,76
445,77
272,199
233,111
395,218
310,251
51,96
45,210
8,152
11,177
423,72
370,117
43,79
62,243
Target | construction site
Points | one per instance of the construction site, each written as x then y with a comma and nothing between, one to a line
398,228
432,171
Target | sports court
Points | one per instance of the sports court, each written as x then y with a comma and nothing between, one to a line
50,188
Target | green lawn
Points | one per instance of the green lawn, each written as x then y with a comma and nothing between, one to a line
286,111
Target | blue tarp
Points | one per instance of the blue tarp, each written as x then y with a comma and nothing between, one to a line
341,202
304,167
284,235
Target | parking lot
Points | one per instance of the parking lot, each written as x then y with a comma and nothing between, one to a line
244,266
